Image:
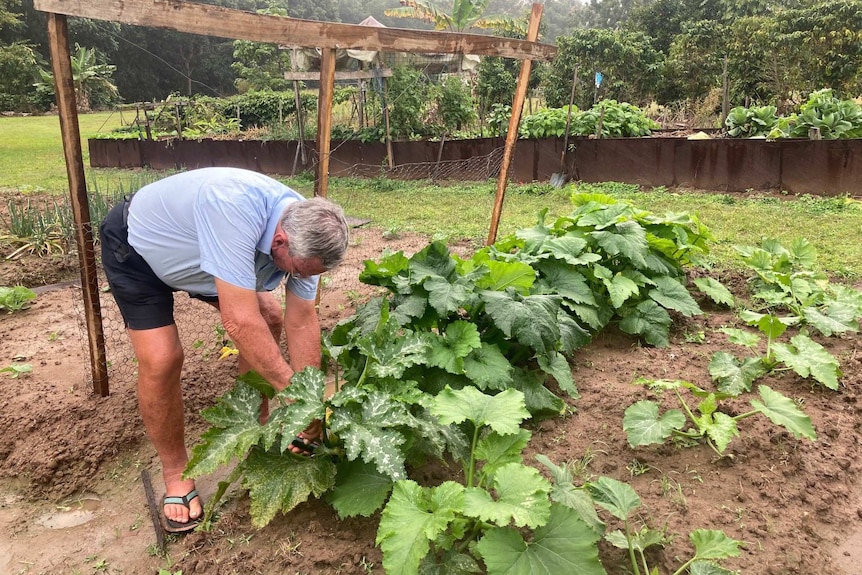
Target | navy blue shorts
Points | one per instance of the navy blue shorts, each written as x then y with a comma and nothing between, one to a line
145,301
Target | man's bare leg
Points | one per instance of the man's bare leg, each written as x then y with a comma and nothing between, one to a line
160,362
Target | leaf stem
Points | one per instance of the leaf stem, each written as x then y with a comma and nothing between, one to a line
472,467
631,550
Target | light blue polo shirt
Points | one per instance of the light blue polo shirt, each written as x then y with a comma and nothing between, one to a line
211,223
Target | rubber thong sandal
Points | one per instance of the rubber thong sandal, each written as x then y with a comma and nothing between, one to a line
305,445
172,526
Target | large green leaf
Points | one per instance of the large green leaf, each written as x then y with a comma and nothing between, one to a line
381,274
807,357
236,428
433,260
627,239
564,545
488,368
449,349
531,320
539,400
713,544
715,290
650,321
733,376
359,489
522,498
558,366
721,430
643,426
503,412
498,450
412,519
783,411
446,298
842,322
294,407
562,279
365,425
502,275
570,249
617,497
563,491
671,294
278,483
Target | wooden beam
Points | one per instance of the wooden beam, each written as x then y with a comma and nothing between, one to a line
324,120
357,75
512,134
241,25
61,65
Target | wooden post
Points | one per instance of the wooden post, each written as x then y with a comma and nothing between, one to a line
512,134
324,120
61,65
725,94
389,157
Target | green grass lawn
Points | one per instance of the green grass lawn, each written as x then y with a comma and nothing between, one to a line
31,159
31,150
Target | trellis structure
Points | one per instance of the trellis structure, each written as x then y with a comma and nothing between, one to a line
239,25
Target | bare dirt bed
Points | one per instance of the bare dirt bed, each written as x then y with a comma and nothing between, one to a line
72,501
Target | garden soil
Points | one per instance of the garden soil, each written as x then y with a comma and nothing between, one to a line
72,499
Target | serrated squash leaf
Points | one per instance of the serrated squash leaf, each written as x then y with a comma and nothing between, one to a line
671,294
649,321
828,325
359,489
733,376
366,428
807,357
564,545
236,428
446,298
715,290
713,544
503,412
531,320
627,239
521,498
449,349
620,289
740,336
721,430
488,368
382,273
783,411
539,400
564,492
413,518
572,335
639,540
497,450
305,397
643,426
502,275
278,484
558,366
433,260
562,279
618,498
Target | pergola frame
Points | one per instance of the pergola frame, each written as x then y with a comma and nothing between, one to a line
240,25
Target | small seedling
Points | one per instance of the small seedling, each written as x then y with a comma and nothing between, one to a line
18,370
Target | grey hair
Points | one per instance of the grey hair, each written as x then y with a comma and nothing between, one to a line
316,228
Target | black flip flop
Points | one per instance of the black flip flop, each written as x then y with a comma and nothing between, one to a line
172,526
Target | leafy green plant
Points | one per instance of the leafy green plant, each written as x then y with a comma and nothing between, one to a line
423,529
754,122
15,298
834,118
17,370
645,425
620,499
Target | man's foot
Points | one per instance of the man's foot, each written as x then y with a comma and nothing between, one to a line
182,511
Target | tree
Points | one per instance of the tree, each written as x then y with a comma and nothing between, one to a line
261,65
91,78
465,14
629,64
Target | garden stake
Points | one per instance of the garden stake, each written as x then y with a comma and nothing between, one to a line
154,511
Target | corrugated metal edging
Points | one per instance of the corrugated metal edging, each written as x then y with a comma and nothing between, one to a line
823,167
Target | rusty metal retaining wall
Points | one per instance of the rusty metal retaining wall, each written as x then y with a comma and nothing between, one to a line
825,167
